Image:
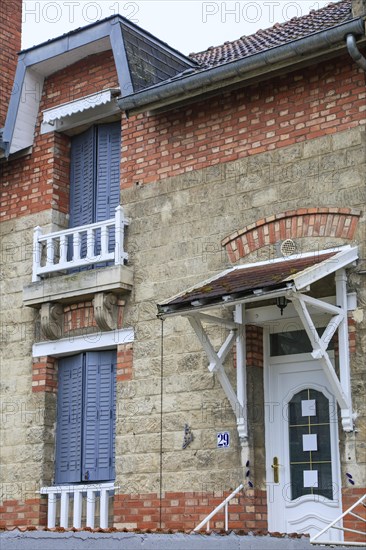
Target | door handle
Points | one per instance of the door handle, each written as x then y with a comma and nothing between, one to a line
276,468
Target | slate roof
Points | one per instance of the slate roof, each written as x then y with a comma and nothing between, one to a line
281,33
243,280
150,61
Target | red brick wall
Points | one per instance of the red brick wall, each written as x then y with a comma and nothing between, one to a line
40,181
10,32
31,512
78,316
187,510
349,497
317,101
35,183
44,374
124,362
254,343
88,76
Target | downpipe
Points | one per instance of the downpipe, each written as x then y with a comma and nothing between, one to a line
354,52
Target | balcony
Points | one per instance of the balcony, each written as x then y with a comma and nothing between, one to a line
65,262
79,246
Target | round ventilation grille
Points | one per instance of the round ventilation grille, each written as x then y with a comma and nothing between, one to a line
288,247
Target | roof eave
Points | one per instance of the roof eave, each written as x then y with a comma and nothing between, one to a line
261,65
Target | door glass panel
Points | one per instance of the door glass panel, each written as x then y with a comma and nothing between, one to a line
309,443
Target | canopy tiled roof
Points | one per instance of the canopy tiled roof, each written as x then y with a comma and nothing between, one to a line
279,34
268,276
260,280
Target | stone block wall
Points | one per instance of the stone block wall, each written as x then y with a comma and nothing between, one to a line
175,241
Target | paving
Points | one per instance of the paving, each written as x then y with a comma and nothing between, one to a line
46,540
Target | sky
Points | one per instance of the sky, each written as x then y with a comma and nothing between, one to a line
187,25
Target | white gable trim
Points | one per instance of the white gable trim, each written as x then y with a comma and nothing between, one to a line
86,342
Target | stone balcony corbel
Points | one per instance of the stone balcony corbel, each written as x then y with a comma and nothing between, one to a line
106,310
52,318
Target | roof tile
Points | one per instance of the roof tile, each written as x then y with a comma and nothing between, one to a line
279,34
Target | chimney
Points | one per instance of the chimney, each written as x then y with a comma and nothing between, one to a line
10,44
358,8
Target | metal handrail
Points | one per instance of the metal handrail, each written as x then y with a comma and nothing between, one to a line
224,504
332,525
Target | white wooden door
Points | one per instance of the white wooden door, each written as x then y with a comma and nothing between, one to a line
302,447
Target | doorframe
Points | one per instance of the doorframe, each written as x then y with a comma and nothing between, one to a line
336,464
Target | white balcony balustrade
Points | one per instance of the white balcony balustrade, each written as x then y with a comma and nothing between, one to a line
82,246
83,500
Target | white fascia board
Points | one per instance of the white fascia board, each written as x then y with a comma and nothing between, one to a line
27,112
87,342
345,256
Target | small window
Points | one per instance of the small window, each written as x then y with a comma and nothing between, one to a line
289,343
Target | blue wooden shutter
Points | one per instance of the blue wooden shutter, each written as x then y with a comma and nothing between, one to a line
99,416
69,420
108,173
82,180
82,184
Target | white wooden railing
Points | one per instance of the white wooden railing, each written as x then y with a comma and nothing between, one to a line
337,524
224,504
79,246
74,494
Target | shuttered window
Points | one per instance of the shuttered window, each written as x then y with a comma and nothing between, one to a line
86,418
95,177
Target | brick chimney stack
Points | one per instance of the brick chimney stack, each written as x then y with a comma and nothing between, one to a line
358,8
10,44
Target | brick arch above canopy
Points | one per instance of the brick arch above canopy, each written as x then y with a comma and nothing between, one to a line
293,224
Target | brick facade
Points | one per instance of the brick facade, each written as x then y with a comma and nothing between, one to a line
349,497
254,346
41,181
10,32
184,511
124,362
44,374
78,317
27,513
300,106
